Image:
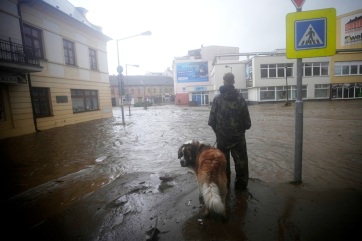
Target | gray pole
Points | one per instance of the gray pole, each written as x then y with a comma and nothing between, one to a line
119,89
147,33
298,123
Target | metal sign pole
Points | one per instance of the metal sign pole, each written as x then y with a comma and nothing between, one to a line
120,89
298,122
309,34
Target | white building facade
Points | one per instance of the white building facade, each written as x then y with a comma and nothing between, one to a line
194,76
271,76
274,78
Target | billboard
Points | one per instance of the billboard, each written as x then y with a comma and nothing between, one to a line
249,70
351,29
192,72
249,74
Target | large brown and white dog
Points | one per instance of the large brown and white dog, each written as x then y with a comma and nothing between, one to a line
209,165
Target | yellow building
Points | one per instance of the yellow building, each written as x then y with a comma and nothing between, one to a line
53,67
346,65
139,88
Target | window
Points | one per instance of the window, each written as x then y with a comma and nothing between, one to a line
294,92
69,53
289,69
272,71
354,69
348,68
267,93
93,59
33,40
345,70
84,100
41,98
307,69
315,69
264,71
346,91
282,94
279,93
321,91
201,98
275,70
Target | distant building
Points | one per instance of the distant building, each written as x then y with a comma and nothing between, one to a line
346,80
193,74
167,72
271,76
139,88
53,67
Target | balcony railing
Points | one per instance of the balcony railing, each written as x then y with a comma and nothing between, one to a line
16,53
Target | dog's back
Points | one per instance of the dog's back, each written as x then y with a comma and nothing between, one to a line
211,174
209,165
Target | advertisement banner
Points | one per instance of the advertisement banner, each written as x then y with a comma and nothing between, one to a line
192,72
249,74
249,70
351,30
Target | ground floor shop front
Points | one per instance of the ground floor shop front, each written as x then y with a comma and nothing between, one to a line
42,103
278,93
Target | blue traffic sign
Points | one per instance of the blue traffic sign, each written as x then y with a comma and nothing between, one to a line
310,34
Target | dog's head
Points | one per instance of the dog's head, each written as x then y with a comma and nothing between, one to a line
187,153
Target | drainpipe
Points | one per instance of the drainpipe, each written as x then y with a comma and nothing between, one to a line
29,80
32,105
21,23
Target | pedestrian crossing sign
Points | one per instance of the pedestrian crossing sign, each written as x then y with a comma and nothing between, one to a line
311,33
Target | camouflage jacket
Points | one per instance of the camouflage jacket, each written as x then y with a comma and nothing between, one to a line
229,116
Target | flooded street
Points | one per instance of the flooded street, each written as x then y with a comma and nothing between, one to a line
48,172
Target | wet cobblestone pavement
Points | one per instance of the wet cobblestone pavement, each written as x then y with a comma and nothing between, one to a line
46,174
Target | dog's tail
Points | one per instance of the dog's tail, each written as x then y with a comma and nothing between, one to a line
212,198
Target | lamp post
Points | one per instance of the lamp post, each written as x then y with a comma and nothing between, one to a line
144,95
134,65
128,99
147,33
231,68
287,103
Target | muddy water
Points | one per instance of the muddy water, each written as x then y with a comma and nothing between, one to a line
332,143
78,159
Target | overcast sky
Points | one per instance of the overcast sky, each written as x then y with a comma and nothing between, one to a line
179,26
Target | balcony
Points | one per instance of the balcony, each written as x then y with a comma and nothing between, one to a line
15,58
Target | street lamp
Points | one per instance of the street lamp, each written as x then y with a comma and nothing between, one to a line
147,33
231,68
134,65
128,99
144,95
287,103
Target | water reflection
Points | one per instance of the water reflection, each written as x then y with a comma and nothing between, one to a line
198,228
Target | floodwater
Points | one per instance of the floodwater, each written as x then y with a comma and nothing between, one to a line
63,165
105,149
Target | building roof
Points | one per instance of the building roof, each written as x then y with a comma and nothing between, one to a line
142,80
77,13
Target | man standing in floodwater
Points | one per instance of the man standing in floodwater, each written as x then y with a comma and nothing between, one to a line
229,118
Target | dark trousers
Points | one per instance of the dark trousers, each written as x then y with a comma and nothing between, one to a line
239,153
